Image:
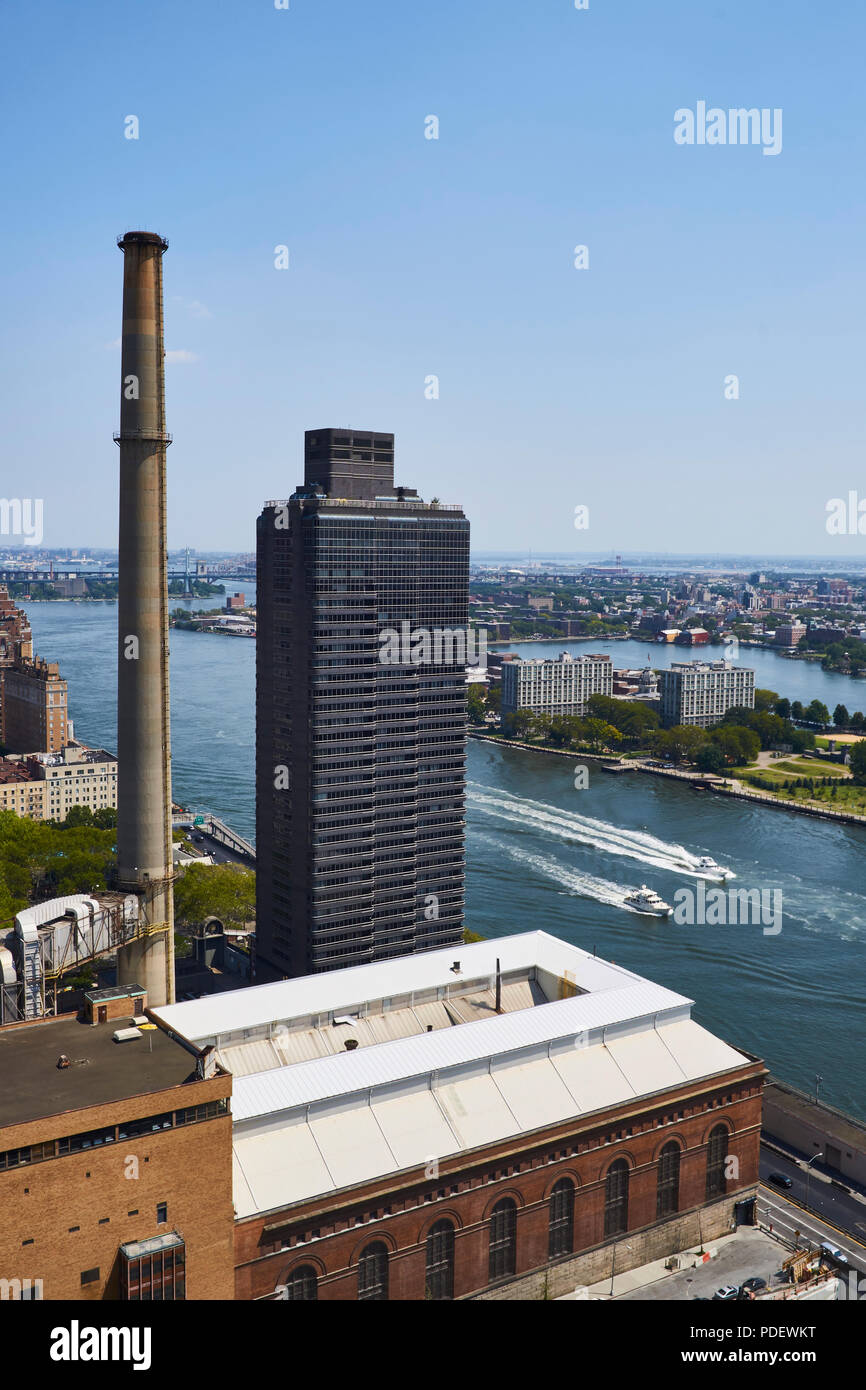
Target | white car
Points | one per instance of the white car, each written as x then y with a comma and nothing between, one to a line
834,1253
726,1291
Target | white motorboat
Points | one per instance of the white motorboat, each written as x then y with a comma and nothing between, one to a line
644,900
708,866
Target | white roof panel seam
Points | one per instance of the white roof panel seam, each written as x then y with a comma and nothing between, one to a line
446,1117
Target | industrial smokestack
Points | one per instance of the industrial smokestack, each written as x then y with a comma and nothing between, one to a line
144,844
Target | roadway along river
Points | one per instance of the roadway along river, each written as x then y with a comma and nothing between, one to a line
544,855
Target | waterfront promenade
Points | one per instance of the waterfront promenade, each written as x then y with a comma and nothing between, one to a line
721,786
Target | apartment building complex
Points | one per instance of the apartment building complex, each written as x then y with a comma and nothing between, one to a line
561,686
45,786
360,741
701,692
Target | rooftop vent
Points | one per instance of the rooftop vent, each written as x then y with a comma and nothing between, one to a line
456,967
126,1035
351,1044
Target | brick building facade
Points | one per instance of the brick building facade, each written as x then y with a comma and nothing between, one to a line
149,1157
563,1214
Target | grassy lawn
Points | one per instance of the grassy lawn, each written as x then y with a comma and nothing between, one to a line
848,796
809,767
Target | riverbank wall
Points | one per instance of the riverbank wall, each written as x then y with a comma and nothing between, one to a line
700,779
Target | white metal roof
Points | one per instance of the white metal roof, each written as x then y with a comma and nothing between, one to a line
336,991
312,1119
566,1020
312,1150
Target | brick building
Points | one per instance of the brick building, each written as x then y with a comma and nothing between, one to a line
16,639
115,1171
33,707
503,1125
46,786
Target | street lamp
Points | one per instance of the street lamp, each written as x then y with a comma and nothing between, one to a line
818,1081
808,1171
613,1265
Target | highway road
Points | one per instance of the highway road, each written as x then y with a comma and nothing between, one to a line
814,1192
794,1224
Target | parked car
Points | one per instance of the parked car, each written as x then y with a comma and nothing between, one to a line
834,1253
780,1180
750,1286
726,1291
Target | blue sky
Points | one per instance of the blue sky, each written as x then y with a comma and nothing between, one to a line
413,257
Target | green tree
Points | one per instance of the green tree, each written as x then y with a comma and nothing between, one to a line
599,734
682,742
519,723
766,700
841,717
783,709
710,758
226,891
817,713
476,704
858,762
738,745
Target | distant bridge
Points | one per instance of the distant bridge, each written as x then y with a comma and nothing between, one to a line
42,576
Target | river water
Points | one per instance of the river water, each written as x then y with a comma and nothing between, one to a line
542,854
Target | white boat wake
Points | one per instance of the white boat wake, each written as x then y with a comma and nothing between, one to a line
600,835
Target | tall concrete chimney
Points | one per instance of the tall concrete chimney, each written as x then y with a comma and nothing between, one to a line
144,844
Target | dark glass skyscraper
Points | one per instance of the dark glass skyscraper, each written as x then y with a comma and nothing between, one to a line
360,714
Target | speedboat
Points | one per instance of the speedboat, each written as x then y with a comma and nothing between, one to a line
713,870
644,900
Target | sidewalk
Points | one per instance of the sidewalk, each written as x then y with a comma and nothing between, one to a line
634,1279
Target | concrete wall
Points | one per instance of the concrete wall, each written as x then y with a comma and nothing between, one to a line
810,1129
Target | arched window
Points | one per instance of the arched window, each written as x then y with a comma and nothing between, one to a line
373,1271
616,1198
440,1262
503,1239
303,1284
717,1154
561,1220
668,1192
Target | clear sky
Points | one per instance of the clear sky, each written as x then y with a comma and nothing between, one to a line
410,257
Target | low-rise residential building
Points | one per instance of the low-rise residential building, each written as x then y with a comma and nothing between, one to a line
701,692
45,786
789,634
561,686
